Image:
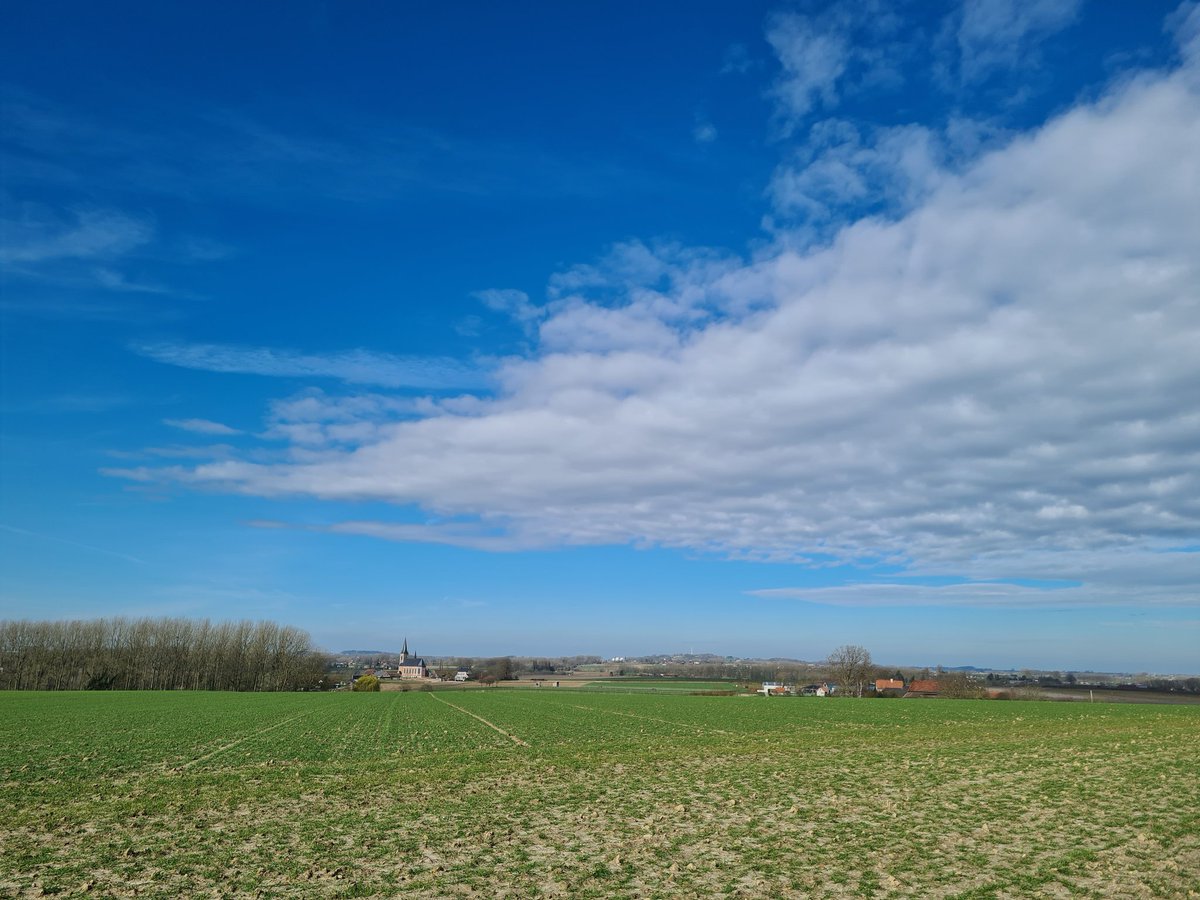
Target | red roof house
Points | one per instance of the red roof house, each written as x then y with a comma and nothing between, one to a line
922,686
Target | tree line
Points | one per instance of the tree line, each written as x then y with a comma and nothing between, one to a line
158,654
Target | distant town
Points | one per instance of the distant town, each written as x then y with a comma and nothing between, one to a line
774,676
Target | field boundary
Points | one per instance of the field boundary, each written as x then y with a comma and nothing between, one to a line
492,725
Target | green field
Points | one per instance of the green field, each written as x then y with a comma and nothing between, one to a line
660,685
574,794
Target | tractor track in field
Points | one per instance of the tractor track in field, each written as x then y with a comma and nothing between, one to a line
232,744
491,725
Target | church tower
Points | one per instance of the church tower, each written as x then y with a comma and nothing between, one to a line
411,665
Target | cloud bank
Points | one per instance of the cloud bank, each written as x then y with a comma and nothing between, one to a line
1000,382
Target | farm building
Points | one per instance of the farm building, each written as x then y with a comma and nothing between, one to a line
922,687
888,684
411,665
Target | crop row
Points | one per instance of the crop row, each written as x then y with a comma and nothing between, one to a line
592,794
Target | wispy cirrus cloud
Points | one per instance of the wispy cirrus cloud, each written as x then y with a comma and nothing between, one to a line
454,534
352,367
73,251
201,426
1096,593
31,234
91,548
271,158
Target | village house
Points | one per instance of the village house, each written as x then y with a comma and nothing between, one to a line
895,685
776,689
922,687
410,665
824,689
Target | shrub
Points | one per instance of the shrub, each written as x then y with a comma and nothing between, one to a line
366,683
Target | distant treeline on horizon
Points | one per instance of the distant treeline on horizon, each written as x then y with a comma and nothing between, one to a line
157,654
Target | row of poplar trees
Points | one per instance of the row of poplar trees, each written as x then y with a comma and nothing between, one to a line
157,654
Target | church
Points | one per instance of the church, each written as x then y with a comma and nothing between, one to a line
411,666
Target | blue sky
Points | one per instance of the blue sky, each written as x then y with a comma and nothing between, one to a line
553,329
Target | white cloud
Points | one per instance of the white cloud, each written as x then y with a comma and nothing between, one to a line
313,419
844,46
450,534
354,367
118,281
998,384
201,426
75,250
996,35
704,132
512,303
737,60
836,168
1184,24
975,594
814,56
31,233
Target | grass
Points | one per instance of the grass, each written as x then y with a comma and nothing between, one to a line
610,795
660,685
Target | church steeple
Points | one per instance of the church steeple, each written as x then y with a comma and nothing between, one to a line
404,650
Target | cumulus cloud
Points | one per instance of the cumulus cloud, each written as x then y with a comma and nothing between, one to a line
838,168
354,367
998,384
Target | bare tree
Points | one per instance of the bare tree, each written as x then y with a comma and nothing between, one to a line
851,668
156,654
958,685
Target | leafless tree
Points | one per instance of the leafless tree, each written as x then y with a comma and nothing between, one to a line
156,654
958,685
851,668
